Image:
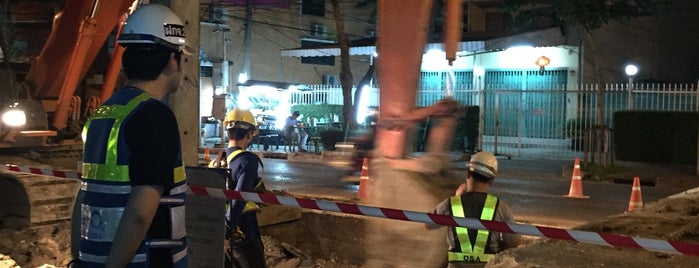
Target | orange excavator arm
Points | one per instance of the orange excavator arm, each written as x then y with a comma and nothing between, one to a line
78,34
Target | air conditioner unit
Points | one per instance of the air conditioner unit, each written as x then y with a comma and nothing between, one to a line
218,14
331,79
318,30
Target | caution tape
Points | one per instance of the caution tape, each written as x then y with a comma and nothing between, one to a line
607,239
43,171
677,247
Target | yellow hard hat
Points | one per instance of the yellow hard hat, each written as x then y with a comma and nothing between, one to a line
239,118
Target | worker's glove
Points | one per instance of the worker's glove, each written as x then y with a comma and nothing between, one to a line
237,235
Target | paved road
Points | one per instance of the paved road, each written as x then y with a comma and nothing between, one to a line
534,190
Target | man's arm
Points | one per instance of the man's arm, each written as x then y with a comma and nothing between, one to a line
511,240
138,215
440,209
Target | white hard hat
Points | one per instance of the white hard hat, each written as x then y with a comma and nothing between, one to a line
154,24
484,163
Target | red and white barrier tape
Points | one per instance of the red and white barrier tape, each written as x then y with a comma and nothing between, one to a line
677,247
607,239
43,171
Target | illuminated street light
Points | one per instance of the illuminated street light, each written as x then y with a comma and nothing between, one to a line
542,62
630,70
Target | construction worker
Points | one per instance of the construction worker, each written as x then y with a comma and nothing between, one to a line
133,181
471,247
243,244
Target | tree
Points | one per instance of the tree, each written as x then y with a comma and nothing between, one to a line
346,79
6,33
583,16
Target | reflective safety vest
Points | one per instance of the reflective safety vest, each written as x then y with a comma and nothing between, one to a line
106,186
472,252
230,184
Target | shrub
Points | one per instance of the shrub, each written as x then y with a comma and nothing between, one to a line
329,137
318,111
574,128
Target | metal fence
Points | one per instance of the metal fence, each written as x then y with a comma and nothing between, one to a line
538,120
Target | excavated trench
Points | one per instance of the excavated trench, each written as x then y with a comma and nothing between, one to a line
323,235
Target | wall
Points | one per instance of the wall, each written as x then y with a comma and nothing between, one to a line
274,29
663,47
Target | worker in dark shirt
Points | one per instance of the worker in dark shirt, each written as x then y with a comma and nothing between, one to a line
243,244
130,208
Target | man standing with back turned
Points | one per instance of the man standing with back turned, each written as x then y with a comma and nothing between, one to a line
243,244
133,182
472,247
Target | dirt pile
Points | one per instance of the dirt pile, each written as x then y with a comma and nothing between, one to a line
674,218
48,246
45,246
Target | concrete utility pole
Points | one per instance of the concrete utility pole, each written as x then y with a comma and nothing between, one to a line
182,101
247,37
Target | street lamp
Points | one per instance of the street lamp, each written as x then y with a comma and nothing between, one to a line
542,62
631,70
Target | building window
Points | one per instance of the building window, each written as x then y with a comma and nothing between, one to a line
313,7
206,71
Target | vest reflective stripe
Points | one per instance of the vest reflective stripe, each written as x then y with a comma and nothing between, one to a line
181,189
138,258
164,243
475,252
107,188
469,257
94,170
179,256
172,201
179,175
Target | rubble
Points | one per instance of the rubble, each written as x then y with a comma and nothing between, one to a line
51,249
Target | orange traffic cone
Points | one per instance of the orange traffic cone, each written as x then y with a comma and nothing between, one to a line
363,192
576,190
207,154
636,201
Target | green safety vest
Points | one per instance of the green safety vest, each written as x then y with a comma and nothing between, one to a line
107,188
475,252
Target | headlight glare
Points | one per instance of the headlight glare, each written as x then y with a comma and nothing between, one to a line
14,118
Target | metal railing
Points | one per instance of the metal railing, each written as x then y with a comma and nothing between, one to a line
539,120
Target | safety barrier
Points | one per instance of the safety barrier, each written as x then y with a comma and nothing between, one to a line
599,238
43,171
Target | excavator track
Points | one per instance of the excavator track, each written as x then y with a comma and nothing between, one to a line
29,200
33,200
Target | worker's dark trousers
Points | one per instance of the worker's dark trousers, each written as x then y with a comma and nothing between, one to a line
249,253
